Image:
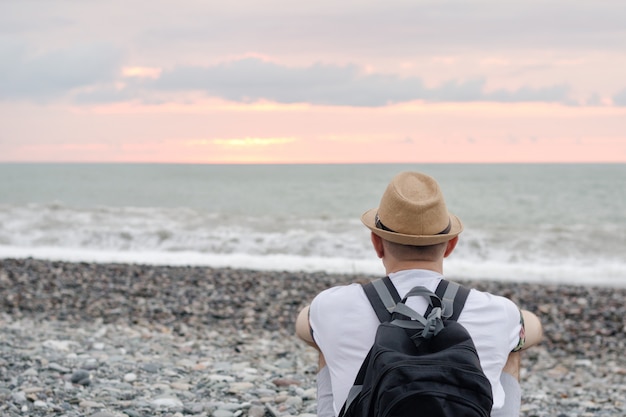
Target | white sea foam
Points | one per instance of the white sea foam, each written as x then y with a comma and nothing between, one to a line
573,273
275,262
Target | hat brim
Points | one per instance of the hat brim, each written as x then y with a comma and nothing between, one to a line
369,220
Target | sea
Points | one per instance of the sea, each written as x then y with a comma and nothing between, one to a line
556,223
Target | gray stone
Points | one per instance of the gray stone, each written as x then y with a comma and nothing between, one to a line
130,377
103,414
19,397
81,377
56,367
256,411
40,404
90,364
30,372
152,368
222,413
294,402
90,404
238,387
167,402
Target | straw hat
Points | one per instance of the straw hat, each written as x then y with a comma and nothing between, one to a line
413,212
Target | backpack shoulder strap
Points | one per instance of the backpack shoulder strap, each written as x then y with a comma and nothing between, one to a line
383,297
453,297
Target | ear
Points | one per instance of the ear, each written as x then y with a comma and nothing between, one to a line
450,246
377,242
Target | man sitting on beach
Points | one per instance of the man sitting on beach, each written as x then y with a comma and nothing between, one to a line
412,233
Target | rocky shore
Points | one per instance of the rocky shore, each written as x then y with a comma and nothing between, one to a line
110,340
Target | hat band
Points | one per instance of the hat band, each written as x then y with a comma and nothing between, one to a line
381,226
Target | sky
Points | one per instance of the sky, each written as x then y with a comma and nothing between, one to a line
276,81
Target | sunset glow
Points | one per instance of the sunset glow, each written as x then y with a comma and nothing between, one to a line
160,90
245,142
142,72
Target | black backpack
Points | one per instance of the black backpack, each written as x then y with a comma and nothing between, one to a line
419,366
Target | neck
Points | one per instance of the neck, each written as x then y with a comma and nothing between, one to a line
397,266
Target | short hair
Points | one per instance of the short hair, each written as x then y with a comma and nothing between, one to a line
415,253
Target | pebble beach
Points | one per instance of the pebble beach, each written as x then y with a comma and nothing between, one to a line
117,340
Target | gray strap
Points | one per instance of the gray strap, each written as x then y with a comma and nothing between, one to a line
409,312
354,392
448,299
384,294
430,296
408,324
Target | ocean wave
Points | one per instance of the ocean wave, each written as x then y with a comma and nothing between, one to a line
560,253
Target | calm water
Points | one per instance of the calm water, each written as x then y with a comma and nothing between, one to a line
562,223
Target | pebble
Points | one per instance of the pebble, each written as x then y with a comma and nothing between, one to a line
40,404
56,367
19,397
167,402
222,413
180,386
81,377
130,377
90,404
152,368
109,340
238,387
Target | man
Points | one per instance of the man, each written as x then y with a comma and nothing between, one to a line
412,232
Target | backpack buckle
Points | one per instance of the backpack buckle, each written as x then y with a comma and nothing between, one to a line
433,324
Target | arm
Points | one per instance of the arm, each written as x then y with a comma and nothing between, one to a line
303,328
533,334
533,329
303,331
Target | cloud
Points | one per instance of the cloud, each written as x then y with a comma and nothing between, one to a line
534,37
620,98
283,27
25,74
554,93
594,100
96,73
253,79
